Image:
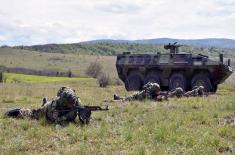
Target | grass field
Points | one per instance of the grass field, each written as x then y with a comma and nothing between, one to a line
178,126
55,61
15,78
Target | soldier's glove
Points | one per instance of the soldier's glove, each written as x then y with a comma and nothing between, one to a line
84,116
36,114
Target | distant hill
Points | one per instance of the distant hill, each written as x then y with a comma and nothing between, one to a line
113,47
211,42
95,48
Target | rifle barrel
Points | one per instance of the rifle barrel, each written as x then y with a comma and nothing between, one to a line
91,108
95,108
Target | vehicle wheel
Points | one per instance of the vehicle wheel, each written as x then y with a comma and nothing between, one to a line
215,88
134,81
177,80
202,79
152,77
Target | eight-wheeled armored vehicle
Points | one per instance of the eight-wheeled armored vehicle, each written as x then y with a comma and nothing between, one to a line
171,70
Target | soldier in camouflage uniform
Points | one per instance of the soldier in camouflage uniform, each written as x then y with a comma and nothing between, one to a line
59,110
197,91
150,91
178,92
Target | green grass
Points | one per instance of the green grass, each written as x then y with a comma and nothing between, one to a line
178,126
15,78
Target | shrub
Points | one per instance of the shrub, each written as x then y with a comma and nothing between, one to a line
69,73
103,80
94,69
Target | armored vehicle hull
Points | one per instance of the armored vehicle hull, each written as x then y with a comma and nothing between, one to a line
172,70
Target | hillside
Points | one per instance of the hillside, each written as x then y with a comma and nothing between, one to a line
111,48
94,48
210,42
54,61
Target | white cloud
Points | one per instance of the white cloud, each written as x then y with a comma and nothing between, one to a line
64,21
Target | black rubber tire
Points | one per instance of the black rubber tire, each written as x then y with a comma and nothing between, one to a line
177,80
202,79
152,77
215,88
134,81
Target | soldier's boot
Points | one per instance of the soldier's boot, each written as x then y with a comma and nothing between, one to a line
201,91
44,101
13,112
116,97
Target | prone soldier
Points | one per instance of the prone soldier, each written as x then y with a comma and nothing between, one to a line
150,91
153,91
197,91
178,92
62,109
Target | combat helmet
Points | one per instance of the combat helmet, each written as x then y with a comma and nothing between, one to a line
67,97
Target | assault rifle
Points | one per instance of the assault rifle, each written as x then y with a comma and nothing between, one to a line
84,112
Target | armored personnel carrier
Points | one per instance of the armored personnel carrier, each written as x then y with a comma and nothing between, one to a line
171,70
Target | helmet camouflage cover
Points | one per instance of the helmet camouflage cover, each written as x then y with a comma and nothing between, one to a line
151,87
66,97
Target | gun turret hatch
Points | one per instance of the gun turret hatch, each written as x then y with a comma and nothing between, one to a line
172,47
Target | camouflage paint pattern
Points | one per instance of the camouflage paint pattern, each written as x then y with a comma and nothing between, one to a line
164,65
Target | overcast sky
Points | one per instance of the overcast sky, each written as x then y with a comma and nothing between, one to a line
27,22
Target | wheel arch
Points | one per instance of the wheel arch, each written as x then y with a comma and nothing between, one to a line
181,71
134,70
176,75
153,72
135,73
212,87
201,71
